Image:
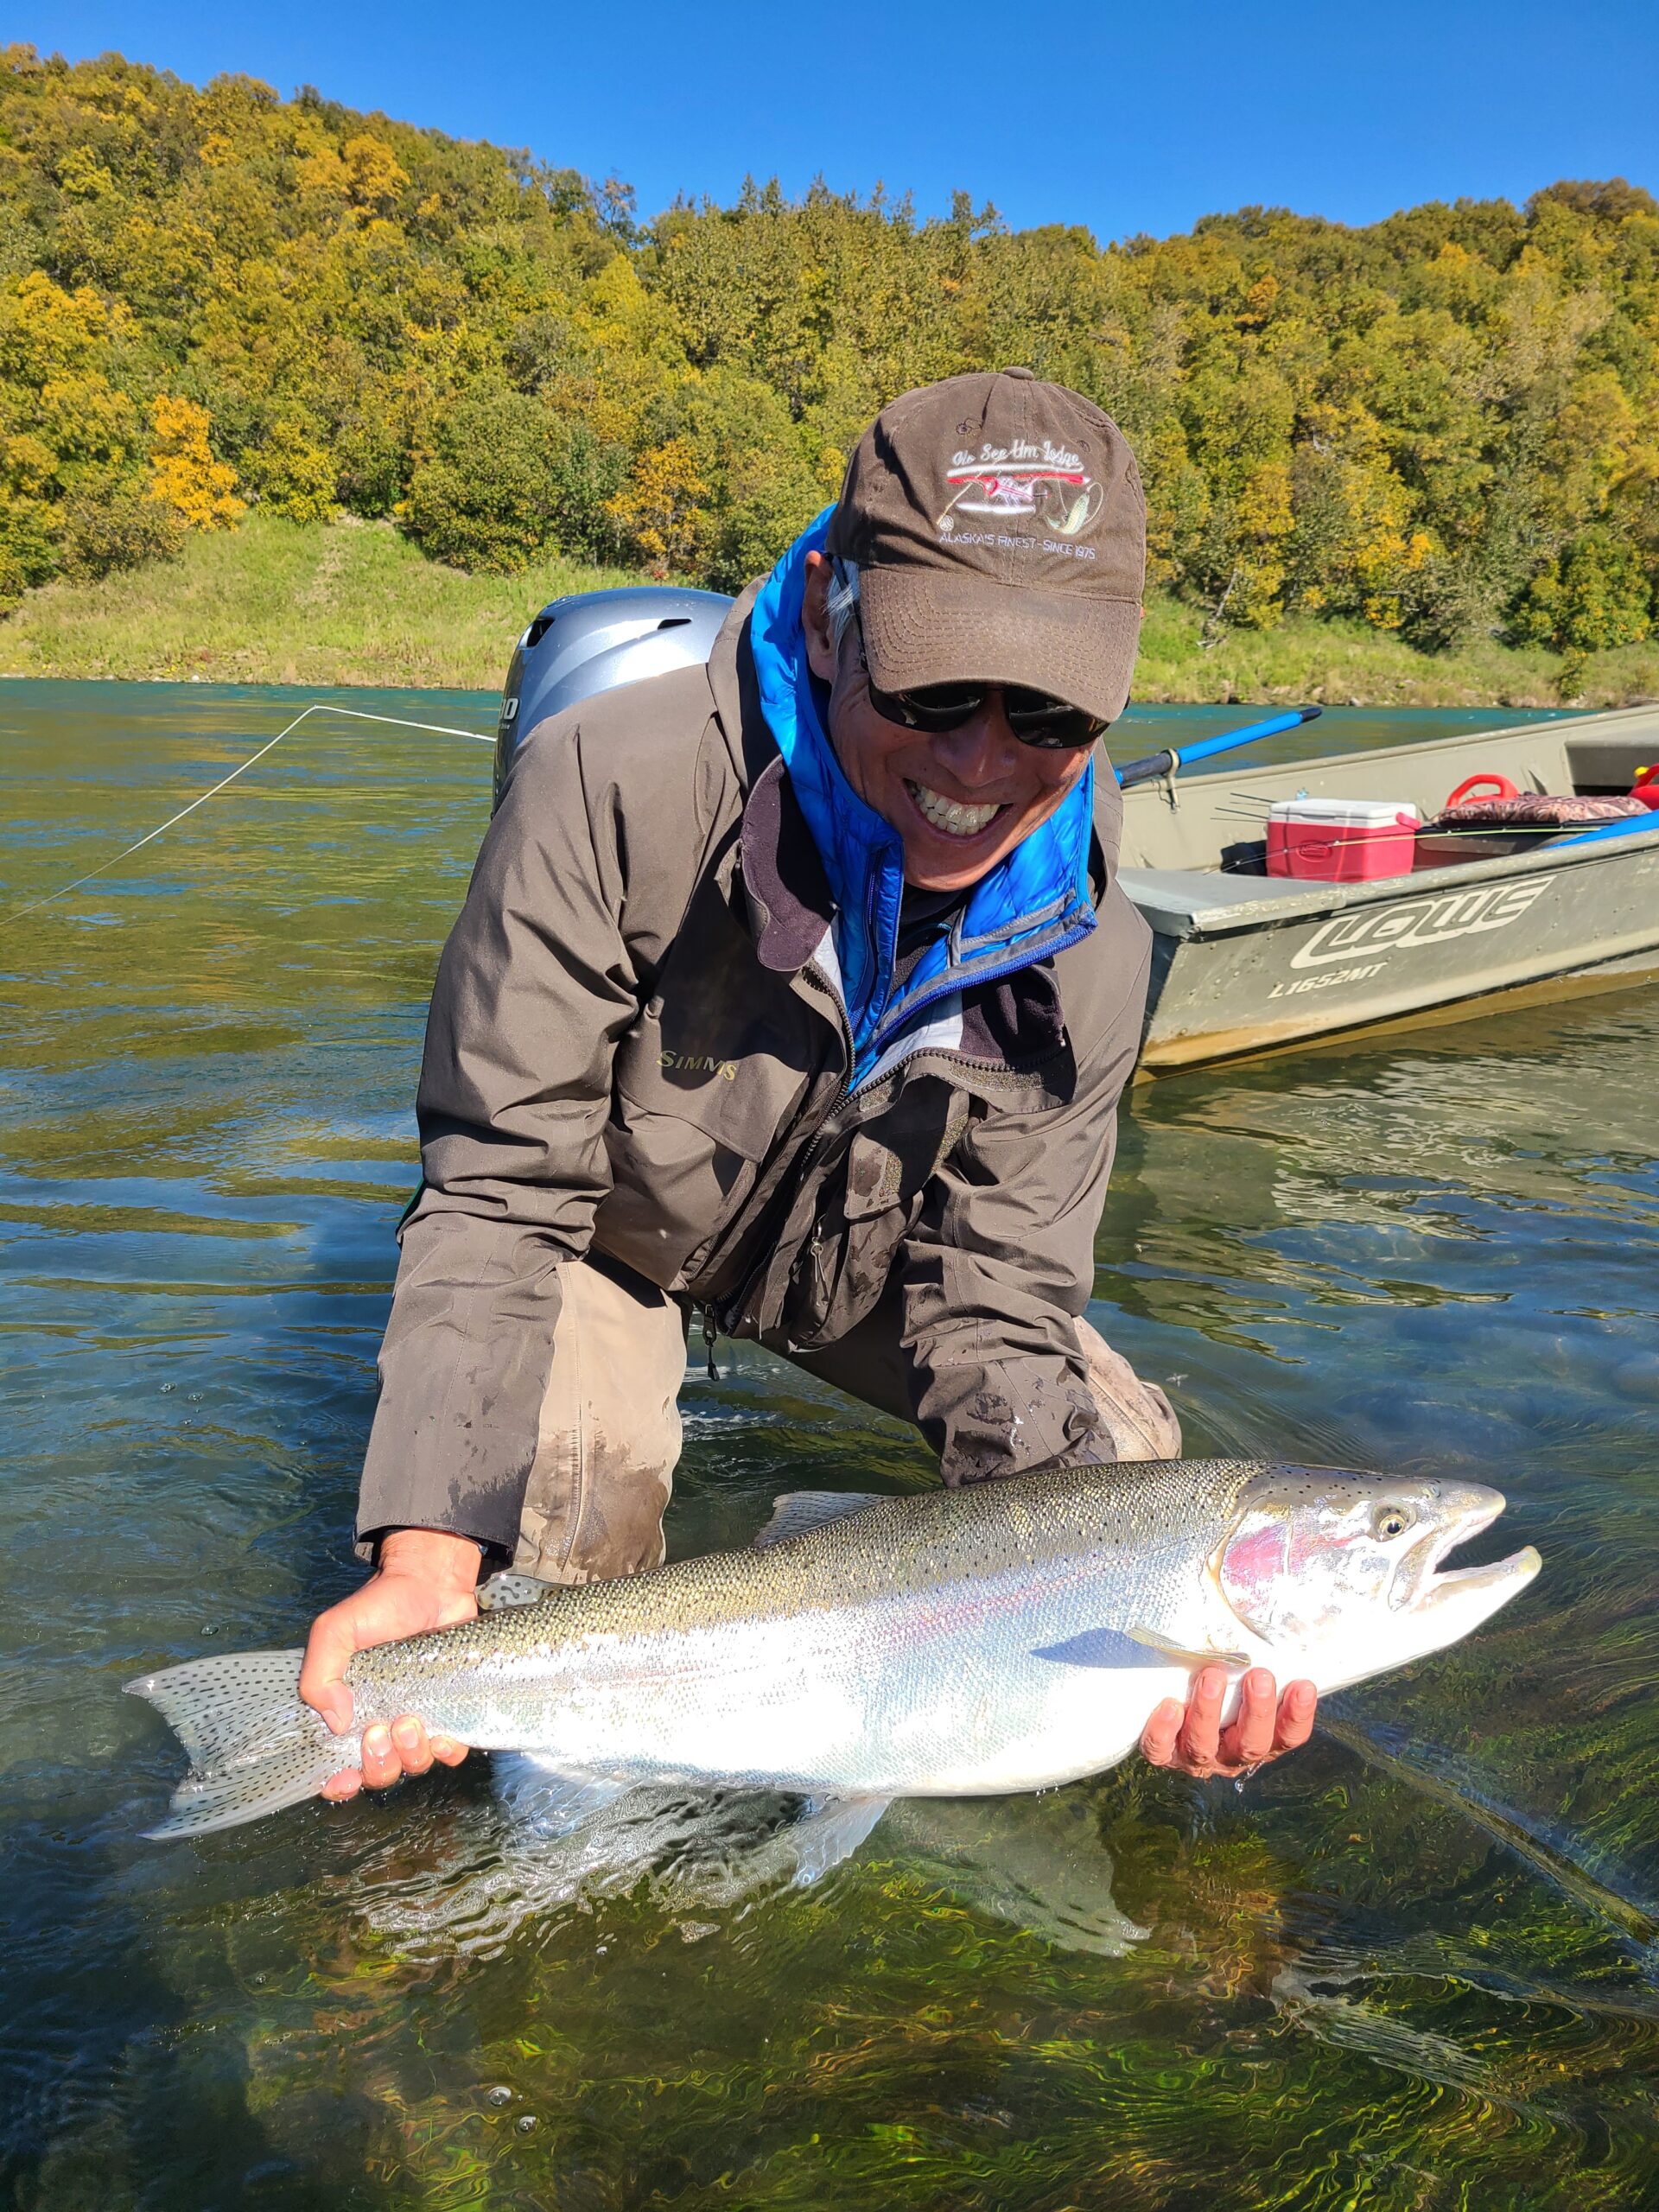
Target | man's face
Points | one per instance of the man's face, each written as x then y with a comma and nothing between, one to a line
961,799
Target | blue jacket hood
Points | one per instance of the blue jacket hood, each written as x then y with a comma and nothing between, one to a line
1034,903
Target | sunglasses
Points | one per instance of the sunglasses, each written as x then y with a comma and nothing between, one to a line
1049,725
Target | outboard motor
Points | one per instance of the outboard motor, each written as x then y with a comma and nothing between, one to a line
594,641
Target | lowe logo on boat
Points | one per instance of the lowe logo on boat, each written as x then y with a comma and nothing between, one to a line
1425,921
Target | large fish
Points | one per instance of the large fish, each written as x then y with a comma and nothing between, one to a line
952,1644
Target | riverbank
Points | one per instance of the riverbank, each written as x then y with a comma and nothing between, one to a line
355,603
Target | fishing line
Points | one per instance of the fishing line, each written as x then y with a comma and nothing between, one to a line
317,707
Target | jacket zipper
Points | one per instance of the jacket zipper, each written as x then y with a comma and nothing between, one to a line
720,1317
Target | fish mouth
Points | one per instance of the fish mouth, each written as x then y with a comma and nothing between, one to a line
1429,1583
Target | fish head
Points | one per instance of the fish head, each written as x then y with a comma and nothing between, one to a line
1344,1571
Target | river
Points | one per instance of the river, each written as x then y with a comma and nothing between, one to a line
1412,1967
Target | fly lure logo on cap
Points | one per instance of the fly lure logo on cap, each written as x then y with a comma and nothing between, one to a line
1024,481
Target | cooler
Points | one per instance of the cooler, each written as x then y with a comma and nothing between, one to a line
1341,840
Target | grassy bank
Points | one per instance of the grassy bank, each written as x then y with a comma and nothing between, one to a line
280,602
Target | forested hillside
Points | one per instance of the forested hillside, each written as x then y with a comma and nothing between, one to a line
1445,424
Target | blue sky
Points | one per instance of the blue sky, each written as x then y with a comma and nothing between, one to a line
1124,118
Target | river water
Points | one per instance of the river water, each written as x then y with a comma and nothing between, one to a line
1414,1966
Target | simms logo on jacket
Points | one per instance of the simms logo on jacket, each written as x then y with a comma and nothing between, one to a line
698,1064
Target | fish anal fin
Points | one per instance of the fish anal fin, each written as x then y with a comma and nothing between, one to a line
829,1830
798,1512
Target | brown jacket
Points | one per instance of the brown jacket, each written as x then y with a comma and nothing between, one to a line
635,1045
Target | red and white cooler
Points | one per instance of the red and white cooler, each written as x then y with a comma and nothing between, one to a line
1341,840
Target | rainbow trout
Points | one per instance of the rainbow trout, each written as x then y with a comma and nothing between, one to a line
951,1643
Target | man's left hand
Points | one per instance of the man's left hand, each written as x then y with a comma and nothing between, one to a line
1191,1738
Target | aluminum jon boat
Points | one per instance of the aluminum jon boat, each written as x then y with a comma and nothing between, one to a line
1247,963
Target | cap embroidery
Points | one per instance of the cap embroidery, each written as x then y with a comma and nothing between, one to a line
1046,481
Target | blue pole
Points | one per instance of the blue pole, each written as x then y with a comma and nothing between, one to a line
1173,758
1628,827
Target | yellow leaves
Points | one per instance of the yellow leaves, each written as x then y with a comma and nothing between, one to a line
81,175
295,473
375,177
184,476
1263,507
216,151
657,507
43,328
1258,302
1381,562
365,175
28,465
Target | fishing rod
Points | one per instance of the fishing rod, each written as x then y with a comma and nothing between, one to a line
1174,758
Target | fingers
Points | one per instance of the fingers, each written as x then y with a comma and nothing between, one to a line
1162,1733
1249,1739
391,1752
1200,1738
328,1652
1192,1740
1296,1713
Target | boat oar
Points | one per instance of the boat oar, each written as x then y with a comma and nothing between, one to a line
1176,756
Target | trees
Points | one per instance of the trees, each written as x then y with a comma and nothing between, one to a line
1444,422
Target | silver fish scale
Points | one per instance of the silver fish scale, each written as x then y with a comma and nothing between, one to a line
1148,1509
898,1649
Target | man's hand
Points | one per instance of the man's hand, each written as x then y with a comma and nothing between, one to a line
427,1579
1192,1739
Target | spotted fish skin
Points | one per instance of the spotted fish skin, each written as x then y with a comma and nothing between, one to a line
1002,1637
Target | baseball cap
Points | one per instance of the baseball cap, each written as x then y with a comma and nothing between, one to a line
1000,533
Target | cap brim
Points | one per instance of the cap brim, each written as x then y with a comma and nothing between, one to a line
922,626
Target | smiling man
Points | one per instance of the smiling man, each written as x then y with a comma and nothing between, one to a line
795,991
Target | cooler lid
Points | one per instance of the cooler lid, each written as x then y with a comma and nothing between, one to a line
1345,813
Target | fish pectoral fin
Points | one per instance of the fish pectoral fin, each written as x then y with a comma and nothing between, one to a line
798,1512
827,1830
1134,1646
1101,1647
1184,1654
510,1589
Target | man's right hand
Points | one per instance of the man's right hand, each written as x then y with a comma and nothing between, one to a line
426,1579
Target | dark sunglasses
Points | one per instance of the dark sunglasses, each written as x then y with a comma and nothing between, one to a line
1049,725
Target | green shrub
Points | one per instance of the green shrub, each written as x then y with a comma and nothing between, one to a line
486,499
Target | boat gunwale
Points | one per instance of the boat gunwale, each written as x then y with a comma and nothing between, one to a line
1281,906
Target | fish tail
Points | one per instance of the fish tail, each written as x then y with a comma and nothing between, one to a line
253,1746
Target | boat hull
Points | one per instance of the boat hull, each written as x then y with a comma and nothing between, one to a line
1244,964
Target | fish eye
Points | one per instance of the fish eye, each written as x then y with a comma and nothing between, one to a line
1390,1520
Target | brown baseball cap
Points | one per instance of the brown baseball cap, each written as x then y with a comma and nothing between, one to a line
1000,533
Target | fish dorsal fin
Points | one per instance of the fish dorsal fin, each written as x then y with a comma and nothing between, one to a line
510,1589
798,1512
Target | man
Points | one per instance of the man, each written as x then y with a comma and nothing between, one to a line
795,989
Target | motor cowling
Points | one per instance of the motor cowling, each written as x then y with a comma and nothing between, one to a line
594,641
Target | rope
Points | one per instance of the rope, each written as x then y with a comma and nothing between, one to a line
318,707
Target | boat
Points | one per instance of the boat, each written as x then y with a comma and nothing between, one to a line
1246,963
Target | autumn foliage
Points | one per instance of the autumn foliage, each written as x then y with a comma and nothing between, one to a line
1442,424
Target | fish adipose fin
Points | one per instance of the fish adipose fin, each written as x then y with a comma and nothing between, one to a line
798,1512
829,1830
253,1746
1130,1647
